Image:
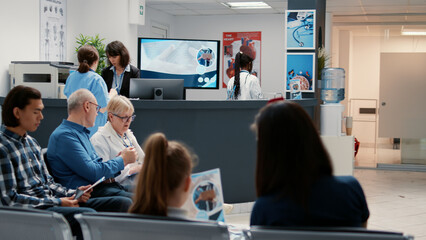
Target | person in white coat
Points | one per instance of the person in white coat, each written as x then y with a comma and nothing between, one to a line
244,85
115,136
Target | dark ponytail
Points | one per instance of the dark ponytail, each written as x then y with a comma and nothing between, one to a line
242,60
87,55
165,166
237,75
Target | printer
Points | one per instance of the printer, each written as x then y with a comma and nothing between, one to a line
46,76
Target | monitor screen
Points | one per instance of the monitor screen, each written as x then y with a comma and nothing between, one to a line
156,88
195,61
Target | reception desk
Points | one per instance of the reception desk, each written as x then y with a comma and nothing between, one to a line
217,131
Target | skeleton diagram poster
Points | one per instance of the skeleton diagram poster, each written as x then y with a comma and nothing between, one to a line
53,37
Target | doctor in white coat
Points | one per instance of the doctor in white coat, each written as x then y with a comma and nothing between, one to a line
115,136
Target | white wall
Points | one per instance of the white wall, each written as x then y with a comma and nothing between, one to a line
108,18
272,49
19,41
365,68
154,17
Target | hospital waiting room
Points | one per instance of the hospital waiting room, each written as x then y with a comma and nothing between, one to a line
213,119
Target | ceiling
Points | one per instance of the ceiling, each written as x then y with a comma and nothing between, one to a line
362,15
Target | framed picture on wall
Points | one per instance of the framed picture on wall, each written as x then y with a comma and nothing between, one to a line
300,70
300,29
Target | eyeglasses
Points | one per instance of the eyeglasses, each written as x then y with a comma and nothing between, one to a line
98,108
125,119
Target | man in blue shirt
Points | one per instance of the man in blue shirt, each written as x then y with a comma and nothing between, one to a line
24,179
71,155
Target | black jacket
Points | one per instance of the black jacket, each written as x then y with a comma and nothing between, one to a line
108,76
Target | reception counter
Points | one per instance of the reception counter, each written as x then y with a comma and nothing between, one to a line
217,131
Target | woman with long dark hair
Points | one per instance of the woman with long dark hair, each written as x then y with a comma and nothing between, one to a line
244,85
294,177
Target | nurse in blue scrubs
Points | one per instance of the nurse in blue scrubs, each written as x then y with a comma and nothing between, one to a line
86,77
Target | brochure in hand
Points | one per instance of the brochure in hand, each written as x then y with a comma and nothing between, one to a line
205,201
79,193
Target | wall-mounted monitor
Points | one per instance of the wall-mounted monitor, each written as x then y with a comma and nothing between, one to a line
195,61
157,89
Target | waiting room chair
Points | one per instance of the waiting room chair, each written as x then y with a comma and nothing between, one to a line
34,224
106,226
274,233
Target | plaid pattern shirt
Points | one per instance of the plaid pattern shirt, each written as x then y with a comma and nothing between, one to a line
24,179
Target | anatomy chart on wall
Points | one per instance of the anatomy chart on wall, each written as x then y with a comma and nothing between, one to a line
300,29
53,37
246,42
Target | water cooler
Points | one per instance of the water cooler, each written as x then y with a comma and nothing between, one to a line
332,92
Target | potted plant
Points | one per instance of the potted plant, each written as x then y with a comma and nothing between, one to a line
97,42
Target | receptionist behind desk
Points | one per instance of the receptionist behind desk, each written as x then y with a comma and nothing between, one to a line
117,75
244,86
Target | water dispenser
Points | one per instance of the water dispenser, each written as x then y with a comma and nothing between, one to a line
332,85
332,92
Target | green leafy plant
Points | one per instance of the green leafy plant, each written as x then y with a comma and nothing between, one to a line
97,42
323,60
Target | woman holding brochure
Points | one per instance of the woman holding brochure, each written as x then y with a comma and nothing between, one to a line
115,136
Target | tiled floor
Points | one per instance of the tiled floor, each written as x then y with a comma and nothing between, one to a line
397,202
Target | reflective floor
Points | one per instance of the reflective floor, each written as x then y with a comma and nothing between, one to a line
396,199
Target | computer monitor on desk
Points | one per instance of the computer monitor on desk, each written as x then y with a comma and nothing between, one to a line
157,89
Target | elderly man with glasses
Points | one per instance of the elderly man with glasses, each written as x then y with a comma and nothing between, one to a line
116,136
72,157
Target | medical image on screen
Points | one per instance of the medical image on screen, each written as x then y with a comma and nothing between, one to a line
195,61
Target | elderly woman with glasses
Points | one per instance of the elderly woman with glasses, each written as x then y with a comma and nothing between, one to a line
115,136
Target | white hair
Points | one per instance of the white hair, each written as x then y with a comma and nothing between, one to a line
77,99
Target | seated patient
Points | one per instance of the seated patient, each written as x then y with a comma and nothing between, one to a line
294,177
24,179
115,136
74,161
164,182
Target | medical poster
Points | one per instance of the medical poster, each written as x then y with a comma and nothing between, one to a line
300,72
205,201
300,29
246,42
53,28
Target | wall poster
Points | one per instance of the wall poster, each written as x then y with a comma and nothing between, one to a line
300,29
300,71
53,28
246,42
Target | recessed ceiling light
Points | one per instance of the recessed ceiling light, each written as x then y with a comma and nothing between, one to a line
413,32
246,5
